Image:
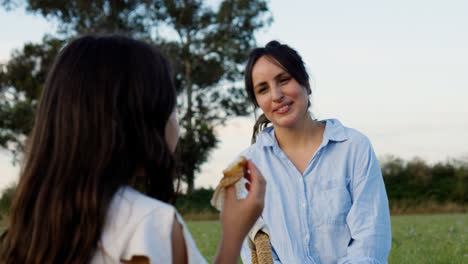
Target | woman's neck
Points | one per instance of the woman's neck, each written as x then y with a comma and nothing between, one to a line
301,136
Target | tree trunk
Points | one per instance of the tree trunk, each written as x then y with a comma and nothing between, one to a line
188,76
190,181
189,115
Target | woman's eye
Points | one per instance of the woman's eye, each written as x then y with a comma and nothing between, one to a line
284,80
261,90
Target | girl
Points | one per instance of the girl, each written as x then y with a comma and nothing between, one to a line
326,200
105,122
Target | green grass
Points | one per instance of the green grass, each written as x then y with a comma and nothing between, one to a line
416,238
206,234
430,239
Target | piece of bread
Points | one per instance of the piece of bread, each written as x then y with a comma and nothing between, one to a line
232,174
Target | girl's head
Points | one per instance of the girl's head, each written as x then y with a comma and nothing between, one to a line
102,117
289,66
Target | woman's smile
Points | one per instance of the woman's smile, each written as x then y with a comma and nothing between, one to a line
283,109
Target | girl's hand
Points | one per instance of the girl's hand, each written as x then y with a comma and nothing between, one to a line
238,216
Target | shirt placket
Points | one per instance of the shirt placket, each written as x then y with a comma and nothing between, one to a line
303,210
304,221
307,193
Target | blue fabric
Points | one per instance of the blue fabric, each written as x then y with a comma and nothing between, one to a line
336,212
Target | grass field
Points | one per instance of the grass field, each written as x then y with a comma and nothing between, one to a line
416,238
430,239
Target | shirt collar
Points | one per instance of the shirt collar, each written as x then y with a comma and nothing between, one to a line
334,131
266,138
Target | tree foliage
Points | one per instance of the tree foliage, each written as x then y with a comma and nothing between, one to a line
413,182
206,44
207,51
418,181
98,16
21,82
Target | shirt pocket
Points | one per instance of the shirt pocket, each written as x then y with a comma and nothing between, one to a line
331,203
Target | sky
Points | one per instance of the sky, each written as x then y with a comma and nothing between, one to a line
395,70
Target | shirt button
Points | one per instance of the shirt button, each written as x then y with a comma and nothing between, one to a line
304,205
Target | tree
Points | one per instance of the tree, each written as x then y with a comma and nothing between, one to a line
207,53
129,17
207,46
23,76
21,81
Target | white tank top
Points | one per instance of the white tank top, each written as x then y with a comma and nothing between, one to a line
139,225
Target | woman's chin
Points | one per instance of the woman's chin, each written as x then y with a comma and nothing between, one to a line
285,123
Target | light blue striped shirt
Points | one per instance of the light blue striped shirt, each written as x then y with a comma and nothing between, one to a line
336,212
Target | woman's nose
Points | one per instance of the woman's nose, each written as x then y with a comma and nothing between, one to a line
276,93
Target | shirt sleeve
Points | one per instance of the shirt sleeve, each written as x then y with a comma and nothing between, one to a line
369,218
152,238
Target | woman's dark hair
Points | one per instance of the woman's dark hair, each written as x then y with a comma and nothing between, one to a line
101,117
286,58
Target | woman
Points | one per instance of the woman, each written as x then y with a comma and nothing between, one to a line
326,200
106,121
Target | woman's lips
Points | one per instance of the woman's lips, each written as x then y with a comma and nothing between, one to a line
283,109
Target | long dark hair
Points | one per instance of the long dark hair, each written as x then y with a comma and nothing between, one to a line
288,59
101,117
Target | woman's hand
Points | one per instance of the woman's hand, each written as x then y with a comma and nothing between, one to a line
238,216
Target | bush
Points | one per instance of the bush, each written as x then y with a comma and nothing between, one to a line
197,203
419,182
6,199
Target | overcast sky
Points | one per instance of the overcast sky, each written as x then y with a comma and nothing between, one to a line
395,70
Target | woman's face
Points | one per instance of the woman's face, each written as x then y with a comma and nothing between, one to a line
172,131
283,100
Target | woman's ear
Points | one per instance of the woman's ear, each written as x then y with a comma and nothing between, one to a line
309,91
